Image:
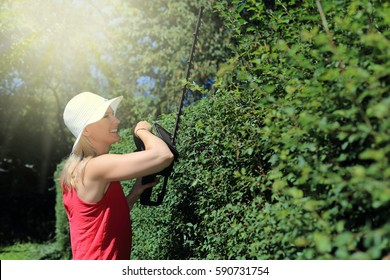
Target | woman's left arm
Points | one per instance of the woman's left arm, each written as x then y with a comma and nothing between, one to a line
136,191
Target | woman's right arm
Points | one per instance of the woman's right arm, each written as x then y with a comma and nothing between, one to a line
115,167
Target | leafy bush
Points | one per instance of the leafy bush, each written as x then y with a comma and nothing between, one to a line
289,158
62,224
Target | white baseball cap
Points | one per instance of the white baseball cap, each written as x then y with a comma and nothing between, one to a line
84,109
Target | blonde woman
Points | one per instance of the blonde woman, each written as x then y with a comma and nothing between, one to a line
97,209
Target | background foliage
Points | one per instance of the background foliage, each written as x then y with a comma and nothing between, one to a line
286,155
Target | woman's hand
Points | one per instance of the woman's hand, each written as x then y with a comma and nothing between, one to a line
137,190
142,125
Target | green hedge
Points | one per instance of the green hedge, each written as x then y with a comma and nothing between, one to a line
62,239
289,158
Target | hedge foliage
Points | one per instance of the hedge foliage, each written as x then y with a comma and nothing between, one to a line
62,240
288,158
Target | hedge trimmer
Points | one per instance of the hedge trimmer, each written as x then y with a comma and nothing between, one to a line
166,136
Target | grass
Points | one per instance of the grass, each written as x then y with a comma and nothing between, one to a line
30,251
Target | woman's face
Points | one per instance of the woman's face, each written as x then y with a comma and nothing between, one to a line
105,131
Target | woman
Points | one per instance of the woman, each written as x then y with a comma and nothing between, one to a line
97,209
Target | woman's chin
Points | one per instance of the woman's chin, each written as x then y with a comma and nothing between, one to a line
115,138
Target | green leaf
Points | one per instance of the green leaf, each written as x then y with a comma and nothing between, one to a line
322,242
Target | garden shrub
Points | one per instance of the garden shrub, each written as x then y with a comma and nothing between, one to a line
288,159
62,226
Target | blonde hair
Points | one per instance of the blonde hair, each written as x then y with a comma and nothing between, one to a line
74,167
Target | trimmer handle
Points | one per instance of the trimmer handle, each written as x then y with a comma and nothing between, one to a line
146,195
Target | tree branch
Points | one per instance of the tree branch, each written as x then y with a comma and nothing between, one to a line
330,38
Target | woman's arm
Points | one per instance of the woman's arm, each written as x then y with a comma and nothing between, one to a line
114,167
136,192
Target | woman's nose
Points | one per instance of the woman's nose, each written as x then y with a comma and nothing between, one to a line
116,120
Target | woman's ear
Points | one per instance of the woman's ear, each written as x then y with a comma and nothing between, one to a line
86,131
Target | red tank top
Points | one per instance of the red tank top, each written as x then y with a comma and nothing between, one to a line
101,230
